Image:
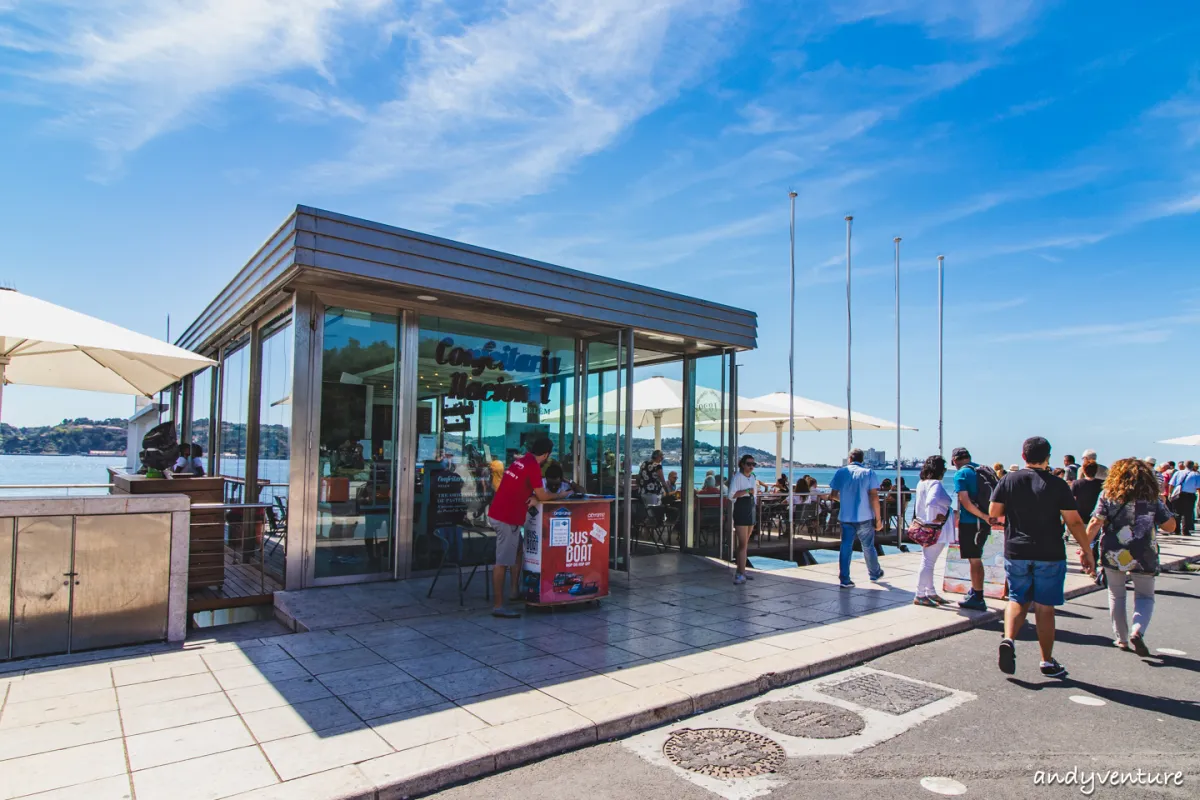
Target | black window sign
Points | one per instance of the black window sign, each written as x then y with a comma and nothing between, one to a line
462,411
470,385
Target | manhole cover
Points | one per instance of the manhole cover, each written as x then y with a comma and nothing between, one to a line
884,692
723,752
809,720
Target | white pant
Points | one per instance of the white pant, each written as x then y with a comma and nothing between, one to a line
929,557
1143,601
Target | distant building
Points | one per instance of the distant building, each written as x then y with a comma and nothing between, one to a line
874,458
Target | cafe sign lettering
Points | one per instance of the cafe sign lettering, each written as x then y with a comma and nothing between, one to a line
472,384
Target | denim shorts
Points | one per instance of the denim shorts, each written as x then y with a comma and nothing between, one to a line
1040,582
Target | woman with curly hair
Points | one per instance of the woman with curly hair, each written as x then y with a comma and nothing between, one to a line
934,507
1125,516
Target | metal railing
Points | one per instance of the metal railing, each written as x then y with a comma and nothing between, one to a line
238,553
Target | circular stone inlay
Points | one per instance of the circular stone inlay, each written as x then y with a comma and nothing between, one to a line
809,720
723,752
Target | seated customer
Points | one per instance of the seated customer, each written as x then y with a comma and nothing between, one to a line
197,461
672,482
781,485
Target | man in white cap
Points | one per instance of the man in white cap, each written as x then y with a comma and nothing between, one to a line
1101,470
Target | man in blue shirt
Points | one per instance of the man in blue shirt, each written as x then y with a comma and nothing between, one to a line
973,528
1188,481
857,489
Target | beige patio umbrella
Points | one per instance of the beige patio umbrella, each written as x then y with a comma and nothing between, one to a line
42,344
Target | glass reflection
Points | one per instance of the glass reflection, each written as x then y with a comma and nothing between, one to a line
355,510
483,395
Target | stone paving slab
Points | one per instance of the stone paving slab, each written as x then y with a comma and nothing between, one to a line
421,693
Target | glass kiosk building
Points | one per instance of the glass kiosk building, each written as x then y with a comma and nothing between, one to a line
373,382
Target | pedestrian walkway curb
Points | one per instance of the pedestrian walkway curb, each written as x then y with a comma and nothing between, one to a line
436,767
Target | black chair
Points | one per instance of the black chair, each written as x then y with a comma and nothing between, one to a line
656,526
465,548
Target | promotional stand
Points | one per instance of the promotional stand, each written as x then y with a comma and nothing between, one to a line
566,552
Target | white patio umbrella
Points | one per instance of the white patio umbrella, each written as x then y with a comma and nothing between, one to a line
42,344
769,413
658,401
1193,441
653,399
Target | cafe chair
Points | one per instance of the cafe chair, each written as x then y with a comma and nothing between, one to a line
458,550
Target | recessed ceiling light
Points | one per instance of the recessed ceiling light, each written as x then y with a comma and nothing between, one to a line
428,298
553,319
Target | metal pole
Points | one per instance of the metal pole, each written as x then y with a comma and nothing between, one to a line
4,362
899,497
627,475
941,298
849,427
792,385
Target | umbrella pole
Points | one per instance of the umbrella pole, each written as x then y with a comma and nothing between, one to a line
3,363
791,387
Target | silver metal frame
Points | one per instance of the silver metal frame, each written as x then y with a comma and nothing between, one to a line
406,443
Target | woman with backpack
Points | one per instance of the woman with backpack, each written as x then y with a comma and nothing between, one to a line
1125,516
932,527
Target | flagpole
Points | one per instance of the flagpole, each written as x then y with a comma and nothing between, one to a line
792,385
849,429
941,303
899,496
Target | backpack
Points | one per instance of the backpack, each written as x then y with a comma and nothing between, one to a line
985,483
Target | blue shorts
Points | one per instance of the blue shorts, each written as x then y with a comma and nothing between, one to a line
1040,582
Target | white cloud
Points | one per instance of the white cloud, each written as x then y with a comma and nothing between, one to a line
126,71
497,109
1149,331
970,19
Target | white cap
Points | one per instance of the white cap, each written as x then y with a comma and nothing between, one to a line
1089,453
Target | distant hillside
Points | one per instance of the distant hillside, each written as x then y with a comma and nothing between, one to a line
70,437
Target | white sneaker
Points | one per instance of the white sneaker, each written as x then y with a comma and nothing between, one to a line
739,579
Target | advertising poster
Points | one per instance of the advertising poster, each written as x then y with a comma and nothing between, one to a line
958,570
566,553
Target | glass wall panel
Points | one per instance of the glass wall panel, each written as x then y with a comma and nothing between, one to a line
711,511
357,435
484,394
274,439
235,398
201,405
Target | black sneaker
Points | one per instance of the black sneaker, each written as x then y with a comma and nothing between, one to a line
974,602
1054,670
1008,657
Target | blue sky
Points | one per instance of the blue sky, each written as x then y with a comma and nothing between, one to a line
1051,151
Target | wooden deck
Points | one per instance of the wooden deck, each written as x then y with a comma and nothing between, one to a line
245,585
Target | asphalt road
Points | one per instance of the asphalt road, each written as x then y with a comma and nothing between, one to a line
993,745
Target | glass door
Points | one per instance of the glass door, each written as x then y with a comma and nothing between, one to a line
604,464
356,444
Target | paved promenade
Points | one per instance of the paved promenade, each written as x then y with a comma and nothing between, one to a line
386,694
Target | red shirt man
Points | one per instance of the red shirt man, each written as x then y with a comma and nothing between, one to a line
522,481
511,501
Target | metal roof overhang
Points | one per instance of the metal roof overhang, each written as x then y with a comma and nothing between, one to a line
326,250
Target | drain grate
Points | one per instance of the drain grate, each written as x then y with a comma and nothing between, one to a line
723,752
887,693
809,720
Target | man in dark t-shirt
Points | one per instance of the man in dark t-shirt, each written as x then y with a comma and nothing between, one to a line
1034,505
1087,490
